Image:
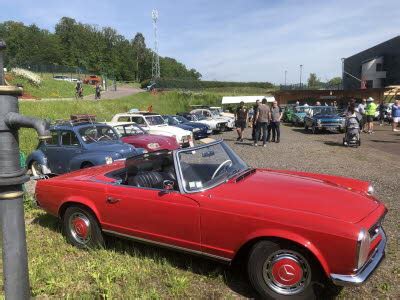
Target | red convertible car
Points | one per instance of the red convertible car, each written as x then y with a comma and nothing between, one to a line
299,231
133,134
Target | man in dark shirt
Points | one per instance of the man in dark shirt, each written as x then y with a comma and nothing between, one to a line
276,115
241,120
254,129
262,119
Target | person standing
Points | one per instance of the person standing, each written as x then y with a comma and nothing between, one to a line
262,119
241,115
98,92
276,116
361,110
395,115
382,111
370,110
255,108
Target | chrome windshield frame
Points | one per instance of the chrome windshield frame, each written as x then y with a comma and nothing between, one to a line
178,168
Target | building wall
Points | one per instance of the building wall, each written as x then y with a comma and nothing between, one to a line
388,52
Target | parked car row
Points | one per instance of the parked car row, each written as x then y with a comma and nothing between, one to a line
315,118
82,142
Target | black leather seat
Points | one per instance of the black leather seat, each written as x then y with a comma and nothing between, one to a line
149,179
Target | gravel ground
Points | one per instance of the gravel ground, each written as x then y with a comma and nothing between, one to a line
323,153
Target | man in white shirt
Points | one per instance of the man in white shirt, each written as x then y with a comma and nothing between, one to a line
361,110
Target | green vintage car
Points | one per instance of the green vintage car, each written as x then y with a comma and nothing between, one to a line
288,114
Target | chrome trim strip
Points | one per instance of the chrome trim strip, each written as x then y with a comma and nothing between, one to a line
366,270
167,245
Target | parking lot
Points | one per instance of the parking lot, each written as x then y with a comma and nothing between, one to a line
377,160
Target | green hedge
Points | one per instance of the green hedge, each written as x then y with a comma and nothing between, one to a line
167,83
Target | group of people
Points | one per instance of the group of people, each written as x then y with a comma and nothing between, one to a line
79,90
367,110
263,118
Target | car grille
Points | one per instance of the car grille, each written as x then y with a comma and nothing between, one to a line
221,126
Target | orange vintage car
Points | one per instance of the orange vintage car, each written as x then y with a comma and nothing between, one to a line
92,79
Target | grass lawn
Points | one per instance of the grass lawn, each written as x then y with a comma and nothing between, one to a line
49,88
123,270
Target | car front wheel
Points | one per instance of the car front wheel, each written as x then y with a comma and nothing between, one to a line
281,272
81,228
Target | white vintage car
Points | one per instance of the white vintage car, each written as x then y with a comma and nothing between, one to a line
155,124
222,112
215,115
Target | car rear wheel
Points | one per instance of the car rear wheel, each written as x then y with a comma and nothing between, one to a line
282,272
81,228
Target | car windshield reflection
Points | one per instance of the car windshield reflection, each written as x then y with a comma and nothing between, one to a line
95,134
207,166
129,130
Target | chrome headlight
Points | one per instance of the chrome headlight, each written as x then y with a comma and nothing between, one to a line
370,190
153,146
363,245
109,160
319,121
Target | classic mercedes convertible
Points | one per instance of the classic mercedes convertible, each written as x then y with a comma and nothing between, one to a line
299,232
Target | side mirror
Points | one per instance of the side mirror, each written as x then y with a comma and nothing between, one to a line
168,185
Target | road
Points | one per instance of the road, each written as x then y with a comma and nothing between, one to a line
122,91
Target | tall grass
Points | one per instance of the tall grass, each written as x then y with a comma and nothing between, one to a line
163,103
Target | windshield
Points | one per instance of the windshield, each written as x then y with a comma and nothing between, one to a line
98,133
129,130
215,112
180,119
320,110
199,117
155,120
208,166
300,109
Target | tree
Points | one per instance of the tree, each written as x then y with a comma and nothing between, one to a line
314,82
334,82
139,46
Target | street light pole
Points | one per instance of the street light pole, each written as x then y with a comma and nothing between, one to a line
285,76
301,70
343,59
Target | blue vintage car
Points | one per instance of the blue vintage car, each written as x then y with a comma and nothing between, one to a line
199,130
319,118
78,146
298,114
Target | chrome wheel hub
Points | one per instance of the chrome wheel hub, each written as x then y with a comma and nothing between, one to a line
286,272
80,228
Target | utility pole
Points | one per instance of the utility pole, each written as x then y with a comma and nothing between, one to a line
285,76
155,68
301,70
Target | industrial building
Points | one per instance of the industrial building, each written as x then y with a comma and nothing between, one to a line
376,67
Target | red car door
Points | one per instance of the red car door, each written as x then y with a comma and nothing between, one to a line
153,215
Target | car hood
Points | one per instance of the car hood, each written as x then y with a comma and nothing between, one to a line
184,126
145,139
170,129
299,193
196,125
327,116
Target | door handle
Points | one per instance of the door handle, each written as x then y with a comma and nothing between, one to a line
112,200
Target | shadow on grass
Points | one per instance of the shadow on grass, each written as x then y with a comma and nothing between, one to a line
234,276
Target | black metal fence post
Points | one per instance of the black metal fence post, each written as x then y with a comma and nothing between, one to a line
12,176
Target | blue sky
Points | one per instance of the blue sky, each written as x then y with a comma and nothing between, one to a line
251,40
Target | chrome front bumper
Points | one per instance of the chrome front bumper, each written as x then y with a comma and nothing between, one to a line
368,268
